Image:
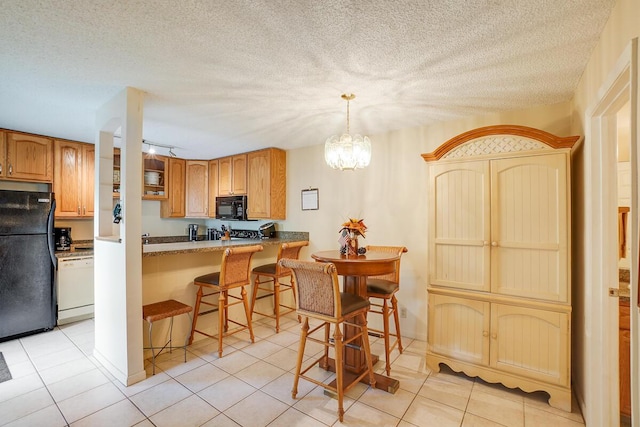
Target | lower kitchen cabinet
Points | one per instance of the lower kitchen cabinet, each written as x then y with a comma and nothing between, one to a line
625,357
525,347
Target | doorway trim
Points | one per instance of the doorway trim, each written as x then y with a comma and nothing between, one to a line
601,272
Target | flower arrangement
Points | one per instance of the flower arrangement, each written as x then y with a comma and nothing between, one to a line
355,226
349,236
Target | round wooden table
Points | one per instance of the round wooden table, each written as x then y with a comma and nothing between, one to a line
355,270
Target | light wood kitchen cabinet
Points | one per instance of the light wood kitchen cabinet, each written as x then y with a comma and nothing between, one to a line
174,205
499,286
267,184
232,175
197,189
27,158
154,177
73,179
213,187
625,357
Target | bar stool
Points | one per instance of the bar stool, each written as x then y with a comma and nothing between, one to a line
273,273
384,287
319,297
162,310
234,273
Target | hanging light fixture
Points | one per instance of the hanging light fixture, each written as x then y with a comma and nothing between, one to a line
346,152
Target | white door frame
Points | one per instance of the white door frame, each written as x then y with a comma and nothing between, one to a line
601,271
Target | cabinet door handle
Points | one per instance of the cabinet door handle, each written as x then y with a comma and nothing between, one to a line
78,210
485,243
485,333
10,169
84,210
494,336
494,244
0,167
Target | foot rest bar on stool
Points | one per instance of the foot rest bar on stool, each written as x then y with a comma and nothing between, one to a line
163,310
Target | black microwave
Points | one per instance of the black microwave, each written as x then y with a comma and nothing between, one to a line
231,208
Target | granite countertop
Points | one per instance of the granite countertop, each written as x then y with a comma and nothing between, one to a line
171,246
78,248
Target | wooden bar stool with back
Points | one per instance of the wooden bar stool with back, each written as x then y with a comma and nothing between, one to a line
319,298
235,272
273,274
384,288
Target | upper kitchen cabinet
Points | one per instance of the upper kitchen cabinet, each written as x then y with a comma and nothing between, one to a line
73,179
27,158
267,184
155,171
174,205
197,188
232,175
213,186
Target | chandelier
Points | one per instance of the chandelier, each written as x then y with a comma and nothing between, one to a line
346,152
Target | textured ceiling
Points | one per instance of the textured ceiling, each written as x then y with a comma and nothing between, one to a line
223,77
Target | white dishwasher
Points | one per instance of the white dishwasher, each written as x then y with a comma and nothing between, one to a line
74,286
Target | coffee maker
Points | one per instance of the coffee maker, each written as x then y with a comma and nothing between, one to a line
193,232
63,238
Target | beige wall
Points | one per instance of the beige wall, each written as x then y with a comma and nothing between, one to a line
391,195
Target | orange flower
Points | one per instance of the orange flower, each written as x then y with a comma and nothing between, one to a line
355,226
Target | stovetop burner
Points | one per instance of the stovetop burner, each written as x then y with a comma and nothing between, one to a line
245,234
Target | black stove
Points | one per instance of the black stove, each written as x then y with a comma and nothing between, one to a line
245,234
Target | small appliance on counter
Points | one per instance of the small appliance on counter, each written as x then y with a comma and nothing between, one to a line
193,232
267,230
213,234
63,238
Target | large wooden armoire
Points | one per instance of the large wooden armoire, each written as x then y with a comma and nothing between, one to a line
499,292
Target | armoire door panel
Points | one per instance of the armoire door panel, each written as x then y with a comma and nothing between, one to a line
530,342
460,224
529,213
459,328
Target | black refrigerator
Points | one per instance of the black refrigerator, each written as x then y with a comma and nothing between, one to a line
27,263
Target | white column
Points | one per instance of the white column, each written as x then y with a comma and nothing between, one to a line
117,247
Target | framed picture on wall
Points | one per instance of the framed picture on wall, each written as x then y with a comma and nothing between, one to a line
310,199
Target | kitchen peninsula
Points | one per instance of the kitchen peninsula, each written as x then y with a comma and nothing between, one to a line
168,270
170,246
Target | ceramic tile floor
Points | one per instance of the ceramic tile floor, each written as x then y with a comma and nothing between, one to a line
56,382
